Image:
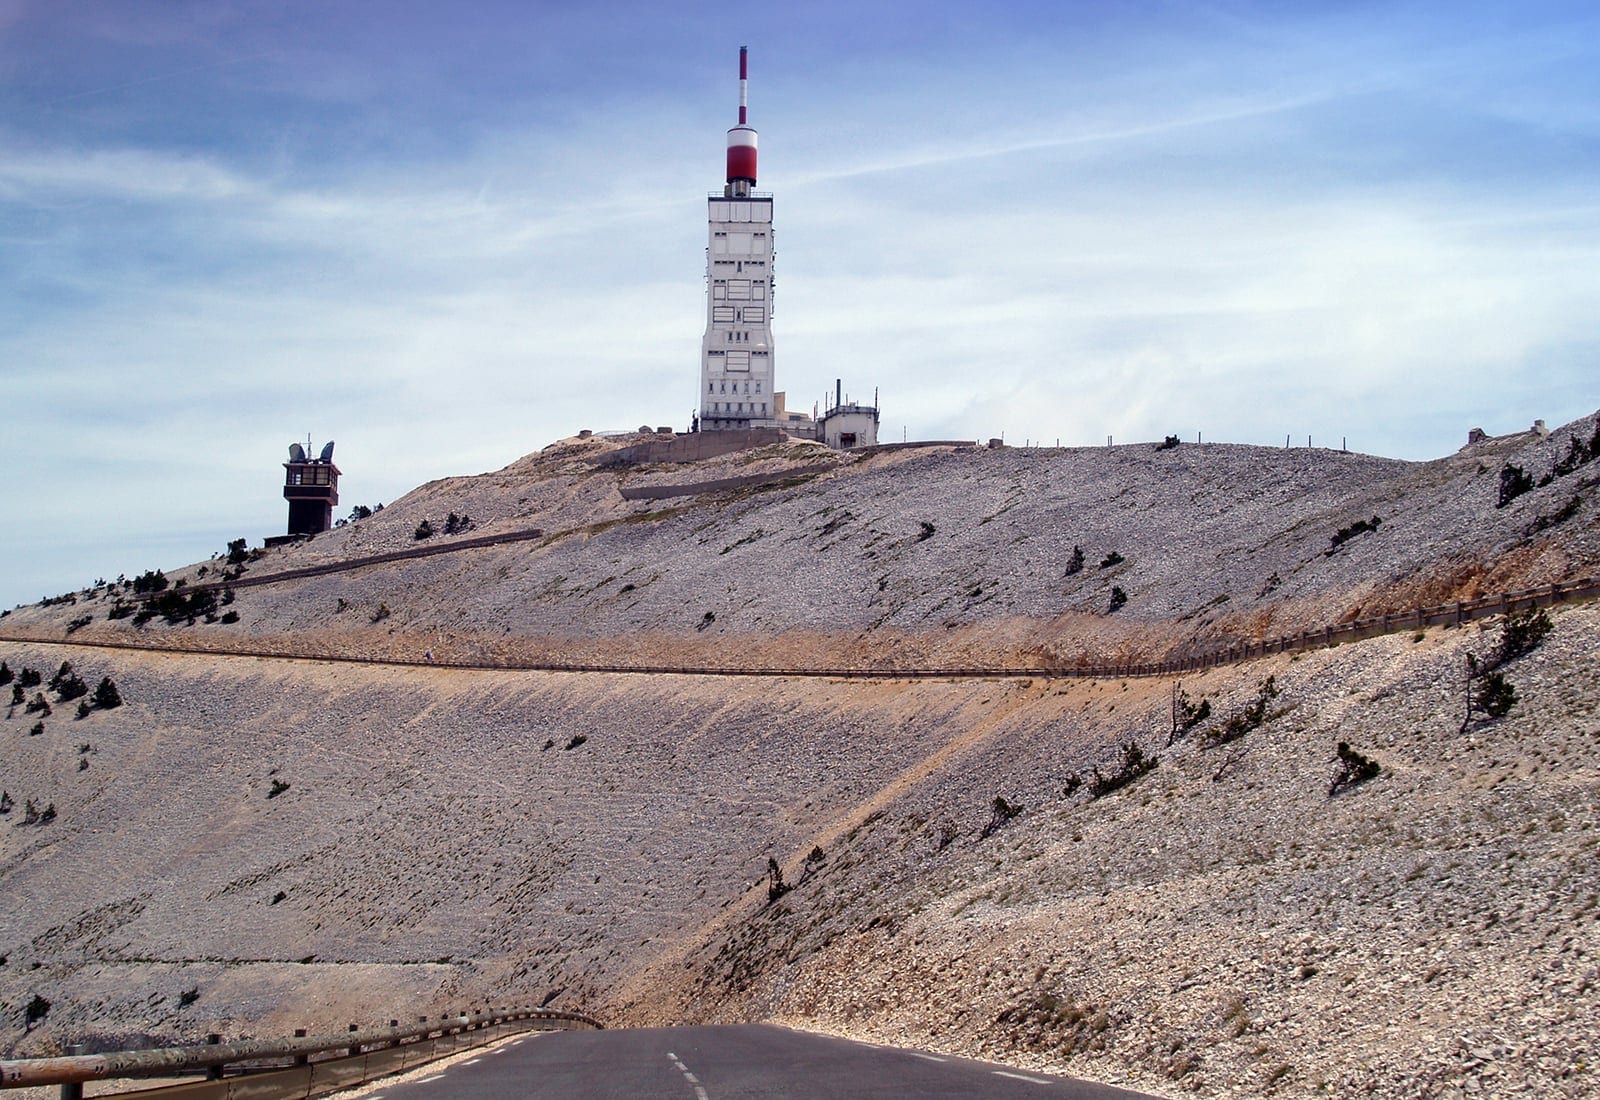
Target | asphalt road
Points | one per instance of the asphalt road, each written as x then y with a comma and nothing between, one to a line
747,1062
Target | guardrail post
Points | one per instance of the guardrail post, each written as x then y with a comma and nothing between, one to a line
73,1090
301,1059
213,1073
356,1049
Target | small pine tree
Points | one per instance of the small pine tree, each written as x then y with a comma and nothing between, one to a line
1495,696
6,675
776,887
71,688
1354,768
106,696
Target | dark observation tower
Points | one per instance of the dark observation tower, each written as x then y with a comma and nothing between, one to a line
311,486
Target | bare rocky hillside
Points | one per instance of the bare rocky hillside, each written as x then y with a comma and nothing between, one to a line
249,844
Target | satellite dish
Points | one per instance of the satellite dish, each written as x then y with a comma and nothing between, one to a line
327,452
297,453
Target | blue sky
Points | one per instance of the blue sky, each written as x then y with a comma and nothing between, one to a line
446,235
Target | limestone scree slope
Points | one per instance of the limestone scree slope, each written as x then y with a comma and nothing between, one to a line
254,843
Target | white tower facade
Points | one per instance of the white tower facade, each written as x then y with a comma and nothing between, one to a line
736,374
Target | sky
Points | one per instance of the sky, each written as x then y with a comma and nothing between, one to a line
446,235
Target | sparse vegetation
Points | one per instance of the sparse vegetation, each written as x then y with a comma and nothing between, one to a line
6,675
149,582
277,788
576,740
1000,813
1048,1021
1134,764
38,705
106,696
237,554
1345,534
776,887
926,532
1118,599
1488,692
28,678
71,688
1353,768
1168,443
424,531
1495,695
1111,559
36,729
1075,562
1520,635
1251,717
79,623
1186,715
455,524
35,1012
380,613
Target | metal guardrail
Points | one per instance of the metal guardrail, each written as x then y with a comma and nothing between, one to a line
365,1056
346,565
1235,652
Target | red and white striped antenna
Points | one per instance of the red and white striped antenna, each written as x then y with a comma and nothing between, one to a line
744,82
742,138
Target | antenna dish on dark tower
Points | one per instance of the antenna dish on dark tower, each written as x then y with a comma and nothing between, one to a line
297,453
327,453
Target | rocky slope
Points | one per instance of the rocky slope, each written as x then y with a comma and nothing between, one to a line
1220,926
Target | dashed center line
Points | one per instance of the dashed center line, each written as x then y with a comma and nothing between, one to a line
694,1082
435,1077
926,1057
1023,1077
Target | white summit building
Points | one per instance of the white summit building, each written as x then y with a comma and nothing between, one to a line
736,354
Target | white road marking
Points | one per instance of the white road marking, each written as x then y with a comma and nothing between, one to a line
699,1090
929,1057
470,1062
1023,1077
435,1077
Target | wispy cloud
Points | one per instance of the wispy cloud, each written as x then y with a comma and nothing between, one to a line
446,245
